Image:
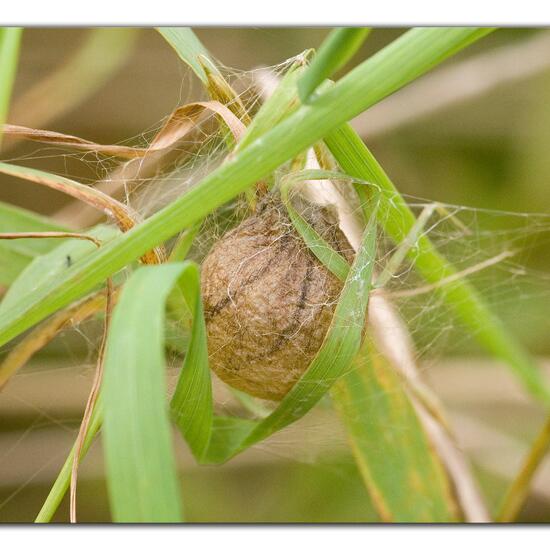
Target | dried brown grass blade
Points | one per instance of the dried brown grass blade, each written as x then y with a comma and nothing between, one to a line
49,235
185,118
66,140
92,400
519,490
177,126
86,69
116,184
46,332
138,169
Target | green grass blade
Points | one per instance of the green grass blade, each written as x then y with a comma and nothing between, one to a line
396,219
183,244
191,404
324,252
338,48
188,47
403,475
61,484
17,254
10,39
278,105
141,470
402,61
399,467
48,267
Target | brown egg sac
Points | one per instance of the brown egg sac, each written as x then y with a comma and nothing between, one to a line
268,300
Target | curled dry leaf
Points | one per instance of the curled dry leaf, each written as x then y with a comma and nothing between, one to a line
178,124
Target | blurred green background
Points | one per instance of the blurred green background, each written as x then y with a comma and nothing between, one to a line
475,135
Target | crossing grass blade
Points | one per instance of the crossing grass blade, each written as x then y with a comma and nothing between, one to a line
141,469
338,48
405,59
324,252
401,471
10,38
16,255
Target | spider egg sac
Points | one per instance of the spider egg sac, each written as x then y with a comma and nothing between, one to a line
268,300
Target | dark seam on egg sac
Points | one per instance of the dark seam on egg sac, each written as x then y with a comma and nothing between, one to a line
295,322
218,307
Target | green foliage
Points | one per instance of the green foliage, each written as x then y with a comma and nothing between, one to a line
411,55
339,47
48,266
397,220
404,477
17,254
188,47
10,38
141,470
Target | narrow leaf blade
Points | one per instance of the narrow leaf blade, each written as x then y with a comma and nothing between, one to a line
10,38
48,267
404,477
188,47
338,48
141,469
